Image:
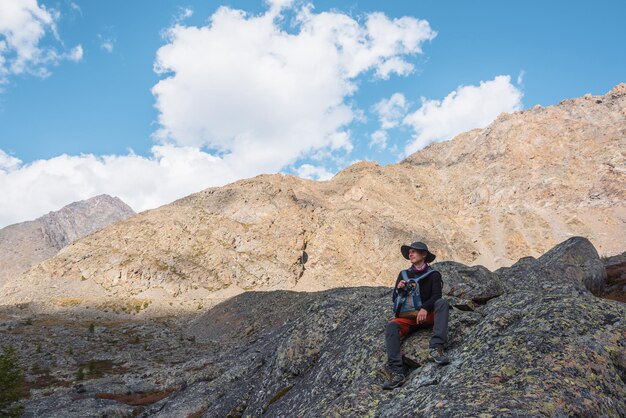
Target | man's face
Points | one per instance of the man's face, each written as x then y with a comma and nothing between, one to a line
416,256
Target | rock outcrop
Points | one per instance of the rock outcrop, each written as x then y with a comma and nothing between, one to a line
25,244
615,286
529,180
542,345
529,340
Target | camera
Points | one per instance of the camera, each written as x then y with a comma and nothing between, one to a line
409,286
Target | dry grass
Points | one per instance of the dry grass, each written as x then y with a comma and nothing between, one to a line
94,369
128,306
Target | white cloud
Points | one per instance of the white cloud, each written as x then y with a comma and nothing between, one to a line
277,5
183,13
379,139
143,182
107,46
312,172
394,65
264,97
390,114
260,98
76,54
8,162
391,111
466,108
23,26
106,43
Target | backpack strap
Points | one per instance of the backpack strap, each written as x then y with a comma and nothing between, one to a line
400,299
423,275
417,299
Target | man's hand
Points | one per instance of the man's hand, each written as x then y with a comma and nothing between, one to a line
401,284
421,316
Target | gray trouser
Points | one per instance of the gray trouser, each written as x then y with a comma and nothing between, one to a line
440,334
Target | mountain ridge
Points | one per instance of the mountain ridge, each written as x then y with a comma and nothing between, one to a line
489,196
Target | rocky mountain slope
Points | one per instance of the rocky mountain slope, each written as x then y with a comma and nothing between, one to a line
529,340
524,183
25,244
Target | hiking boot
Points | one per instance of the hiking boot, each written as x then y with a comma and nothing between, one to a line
436,353
396,380
409,363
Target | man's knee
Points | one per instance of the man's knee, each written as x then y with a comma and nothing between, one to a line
392,328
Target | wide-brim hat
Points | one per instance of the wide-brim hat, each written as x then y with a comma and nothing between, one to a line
417,246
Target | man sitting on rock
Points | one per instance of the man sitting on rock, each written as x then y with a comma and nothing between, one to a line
417,304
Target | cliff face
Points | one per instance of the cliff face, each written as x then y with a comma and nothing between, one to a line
528,340
28,243
526,182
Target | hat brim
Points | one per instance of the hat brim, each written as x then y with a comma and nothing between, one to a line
430,257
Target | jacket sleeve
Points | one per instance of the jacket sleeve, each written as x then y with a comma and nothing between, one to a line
436,291
394,295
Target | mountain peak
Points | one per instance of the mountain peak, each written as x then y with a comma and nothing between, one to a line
24,244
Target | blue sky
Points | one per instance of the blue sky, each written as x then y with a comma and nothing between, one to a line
312,91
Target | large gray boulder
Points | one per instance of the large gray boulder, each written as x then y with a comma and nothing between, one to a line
573,263
469,284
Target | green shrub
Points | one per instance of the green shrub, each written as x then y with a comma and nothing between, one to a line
11,381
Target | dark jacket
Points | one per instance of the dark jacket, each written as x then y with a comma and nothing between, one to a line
430,287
